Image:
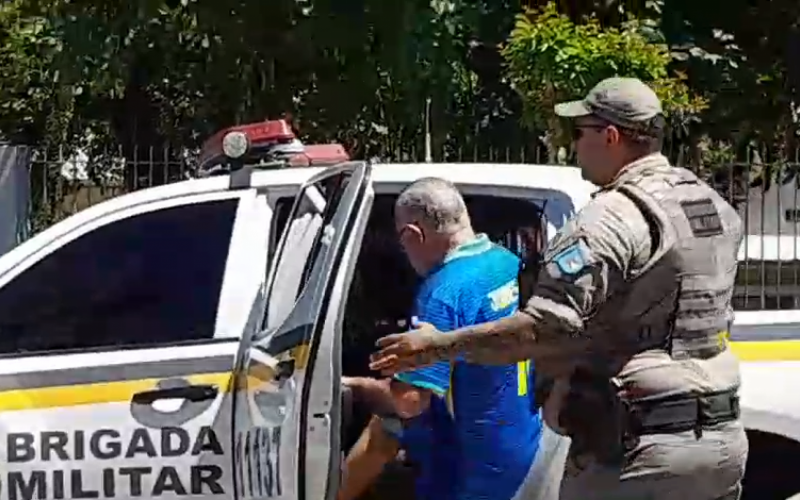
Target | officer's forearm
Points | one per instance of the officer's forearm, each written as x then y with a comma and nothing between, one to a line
500,342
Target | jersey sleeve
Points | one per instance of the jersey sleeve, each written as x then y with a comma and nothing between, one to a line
435,378
588,260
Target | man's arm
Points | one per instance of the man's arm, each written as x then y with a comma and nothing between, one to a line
587,262
365,462
375,393
379,442
407,396
435,378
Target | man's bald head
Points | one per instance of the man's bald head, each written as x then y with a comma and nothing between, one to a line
431,220
435,203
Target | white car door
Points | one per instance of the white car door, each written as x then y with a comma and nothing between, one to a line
286,421
117,352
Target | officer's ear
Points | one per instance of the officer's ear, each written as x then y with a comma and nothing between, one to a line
613,136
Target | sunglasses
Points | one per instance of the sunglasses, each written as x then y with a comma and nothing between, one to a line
578,130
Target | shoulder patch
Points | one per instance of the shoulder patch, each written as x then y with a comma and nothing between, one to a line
571,260
703,217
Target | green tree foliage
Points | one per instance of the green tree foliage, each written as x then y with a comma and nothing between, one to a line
148,72
144,72
28,90
551,58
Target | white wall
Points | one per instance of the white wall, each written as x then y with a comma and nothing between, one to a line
765,212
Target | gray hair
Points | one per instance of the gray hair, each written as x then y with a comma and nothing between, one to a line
436,202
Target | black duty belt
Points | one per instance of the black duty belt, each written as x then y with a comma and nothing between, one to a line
684,413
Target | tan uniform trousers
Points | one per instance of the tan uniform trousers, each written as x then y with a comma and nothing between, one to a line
665,467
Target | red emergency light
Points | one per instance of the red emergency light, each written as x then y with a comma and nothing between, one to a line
315,155
271,142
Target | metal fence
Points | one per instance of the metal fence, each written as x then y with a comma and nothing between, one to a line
767,197
64,182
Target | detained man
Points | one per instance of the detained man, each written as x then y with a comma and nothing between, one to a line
472,430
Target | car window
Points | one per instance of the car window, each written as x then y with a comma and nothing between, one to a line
304,226
514,223
153,278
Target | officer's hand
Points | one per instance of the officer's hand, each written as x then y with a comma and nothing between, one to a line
406,351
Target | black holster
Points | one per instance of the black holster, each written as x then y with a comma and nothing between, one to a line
597,419
604,424
541,390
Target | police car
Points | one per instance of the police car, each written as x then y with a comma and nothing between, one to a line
188,340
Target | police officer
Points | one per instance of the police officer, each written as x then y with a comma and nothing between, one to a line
629,318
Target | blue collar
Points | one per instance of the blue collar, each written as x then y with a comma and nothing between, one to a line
480,244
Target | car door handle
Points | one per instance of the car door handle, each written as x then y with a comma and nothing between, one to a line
193,393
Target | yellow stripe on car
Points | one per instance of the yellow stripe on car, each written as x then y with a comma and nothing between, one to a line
86,394
768,350
260,376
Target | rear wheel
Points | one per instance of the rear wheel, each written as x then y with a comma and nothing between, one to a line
771,468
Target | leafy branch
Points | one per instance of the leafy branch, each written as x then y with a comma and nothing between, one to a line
549,59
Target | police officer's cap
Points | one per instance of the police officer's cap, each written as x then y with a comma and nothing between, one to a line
626,102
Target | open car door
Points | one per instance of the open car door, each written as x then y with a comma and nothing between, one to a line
287,403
